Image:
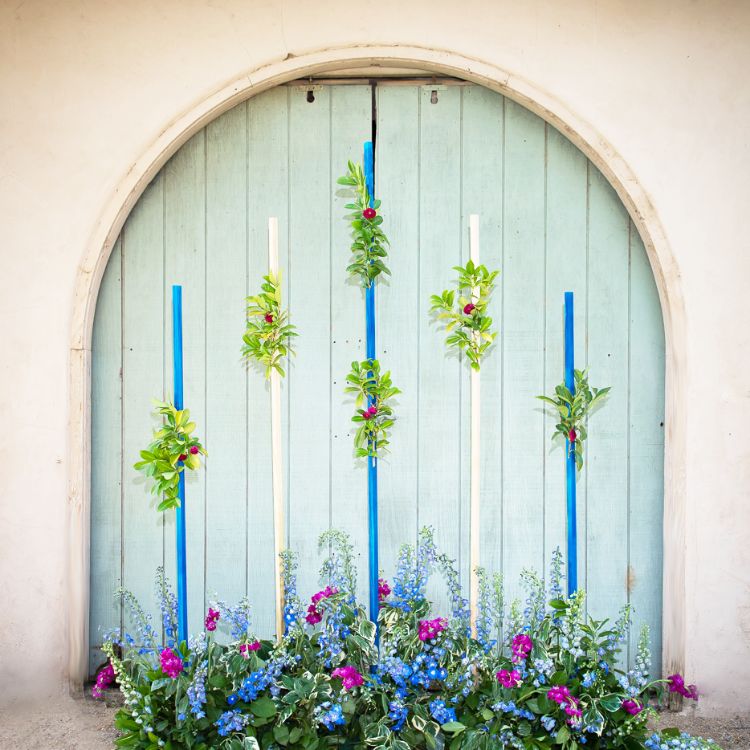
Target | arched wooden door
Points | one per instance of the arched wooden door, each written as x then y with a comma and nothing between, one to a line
549,221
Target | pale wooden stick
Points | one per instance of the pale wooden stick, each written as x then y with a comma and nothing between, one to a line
276,455
475,454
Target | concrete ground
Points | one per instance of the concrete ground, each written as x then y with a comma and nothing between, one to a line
85,724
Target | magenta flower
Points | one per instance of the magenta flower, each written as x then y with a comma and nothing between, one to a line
194,449
469,309
384,590
268,318
572,436
560,694
171,664
313,616
327,592
246,648
369,213
508,679
103,680
632,707
350,677
521,647
430,629
676,684
373,410
182,457
211,619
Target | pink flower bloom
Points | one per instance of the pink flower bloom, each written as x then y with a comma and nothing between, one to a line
194,449
211,619
103,680
369,213
246,648
469,309
313,617
350,677
676,684
521,647
373,410
182,457
632,707
268,318
508,679
171,664
572,436
384,590
572,709
327,592
430,629
559,694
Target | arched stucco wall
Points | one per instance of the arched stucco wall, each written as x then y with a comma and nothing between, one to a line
104,94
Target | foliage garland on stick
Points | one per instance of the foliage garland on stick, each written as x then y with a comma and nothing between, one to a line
468,326
268,333
173,449
373,391
573,411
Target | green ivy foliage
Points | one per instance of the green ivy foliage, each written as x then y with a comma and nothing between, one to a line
573,411
268,333
373,391
369,242
464,309
173,449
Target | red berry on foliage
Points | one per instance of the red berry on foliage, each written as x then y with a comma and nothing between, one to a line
369,213
268,318
572,436
373,410
469,309
194,449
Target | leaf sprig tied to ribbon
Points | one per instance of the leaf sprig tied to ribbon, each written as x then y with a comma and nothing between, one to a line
268,333
369,242
373,391
573,411
468,325
174,448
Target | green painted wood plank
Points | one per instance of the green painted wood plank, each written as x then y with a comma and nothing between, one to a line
482,191
309,379
268,195
351,126
439,449
398,309
225,428
607,449
523,344
565,270
646,449
185,263
143,341
106,458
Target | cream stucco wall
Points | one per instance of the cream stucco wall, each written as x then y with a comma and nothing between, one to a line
96,95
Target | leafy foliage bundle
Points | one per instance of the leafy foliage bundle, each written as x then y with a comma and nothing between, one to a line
268,333
373,391
369,242
465,310
573,411
173,449
537,677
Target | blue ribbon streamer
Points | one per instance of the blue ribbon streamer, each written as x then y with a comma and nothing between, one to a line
182,629
570,460
372,463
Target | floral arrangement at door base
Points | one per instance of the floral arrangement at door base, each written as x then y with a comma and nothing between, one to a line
537,676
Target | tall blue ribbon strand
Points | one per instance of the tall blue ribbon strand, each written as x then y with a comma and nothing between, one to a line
182,629
570,460
372,463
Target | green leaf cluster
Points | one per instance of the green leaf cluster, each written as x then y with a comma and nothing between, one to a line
268,333
573,410
369,243
469,332
371,388
170,453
